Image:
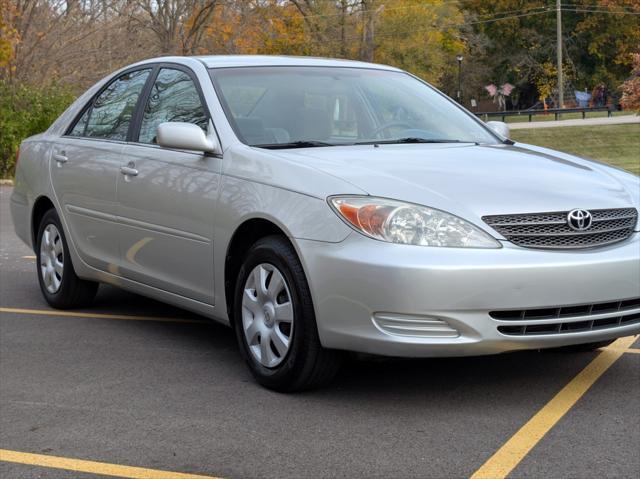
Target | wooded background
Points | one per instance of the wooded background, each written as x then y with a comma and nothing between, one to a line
52,50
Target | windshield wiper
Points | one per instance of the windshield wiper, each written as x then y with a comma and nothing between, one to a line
316,143
410,139
294,144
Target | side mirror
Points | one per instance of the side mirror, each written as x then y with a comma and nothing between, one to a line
187,136
499,127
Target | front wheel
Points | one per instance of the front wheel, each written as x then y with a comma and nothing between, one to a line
275,322
59,283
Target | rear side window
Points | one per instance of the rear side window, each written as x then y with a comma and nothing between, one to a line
111,112
173,97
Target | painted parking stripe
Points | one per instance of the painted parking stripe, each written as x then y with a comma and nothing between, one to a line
92,467
29,257
518,446
633,350
122,317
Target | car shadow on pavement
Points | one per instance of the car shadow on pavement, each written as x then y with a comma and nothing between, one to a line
112,300
465,376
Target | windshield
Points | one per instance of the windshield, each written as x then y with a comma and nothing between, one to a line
277,107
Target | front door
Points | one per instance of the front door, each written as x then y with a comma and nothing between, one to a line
167,197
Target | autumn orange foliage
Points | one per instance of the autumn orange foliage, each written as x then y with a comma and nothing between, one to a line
267,28
631,88
8,34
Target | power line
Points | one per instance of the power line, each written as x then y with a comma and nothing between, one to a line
542,9
494,17
546,10
603,7
479,22
476,22
445,26
423,6
599,9
610,12
374,10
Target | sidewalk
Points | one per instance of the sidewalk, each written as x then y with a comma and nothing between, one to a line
614,120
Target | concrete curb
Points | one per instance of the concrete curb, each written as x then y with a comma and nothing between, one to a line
6,182
614,120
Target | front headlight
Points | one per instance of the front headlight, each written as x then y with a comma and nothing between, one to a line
405,223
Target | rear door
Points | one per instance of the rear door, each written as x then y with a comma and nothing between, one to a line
167,197
85,168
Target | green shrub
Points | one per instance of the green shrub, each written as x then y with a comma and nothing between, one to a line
24,111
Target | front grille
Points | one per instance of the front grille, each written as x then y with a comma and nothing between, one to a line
568,319
551,230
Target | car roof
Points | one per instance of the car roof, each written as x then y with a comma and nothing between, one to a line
229,61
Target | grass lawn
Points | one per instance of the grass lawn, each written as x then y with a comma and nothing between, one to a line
615,144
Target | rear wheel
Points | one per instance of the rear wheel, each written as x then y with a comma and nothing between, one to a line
59,283
275,321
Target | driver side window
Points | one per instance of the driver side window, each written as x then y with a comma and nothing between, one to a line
173,97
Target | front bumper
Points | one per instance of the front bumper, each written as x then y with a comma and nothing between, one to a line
357,282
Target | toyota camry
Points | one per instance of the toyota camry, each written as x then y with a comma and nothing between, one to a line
323,206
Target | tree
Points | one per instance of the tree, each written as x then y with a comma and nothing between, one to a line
546,81
8,34
631,88
599,36
602,44
423,38
178,25
60,40
516,46
262,27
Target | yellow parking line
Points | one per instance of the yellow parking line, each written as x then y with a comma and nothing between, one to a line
124,317
633,350
28,257
518,446
92,467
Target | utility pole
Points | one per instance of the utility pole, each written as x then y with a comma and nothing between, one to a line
559,38
459,95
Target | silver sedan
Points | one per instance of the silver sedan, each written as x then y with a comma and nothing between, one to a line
321,206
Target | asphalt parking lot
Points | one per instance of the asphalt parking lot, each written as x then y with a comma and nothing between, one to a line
134,388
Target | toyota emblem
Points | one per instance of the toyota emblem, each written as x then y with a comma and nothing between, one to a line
579,220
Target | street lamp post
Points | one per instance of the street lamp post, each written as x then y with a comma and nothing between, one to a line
459,58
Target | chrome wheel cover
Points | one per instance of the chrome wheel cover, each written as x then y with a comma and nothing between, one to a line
51,258
267,315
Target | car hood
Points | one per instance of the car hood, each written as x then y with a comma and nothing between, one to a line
476,180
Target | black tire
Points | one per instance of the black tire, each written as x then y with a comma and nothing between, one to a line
307,364
586,347
72,292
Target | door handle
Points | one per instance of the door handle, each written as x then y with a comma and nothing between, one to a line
128,171
60,159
